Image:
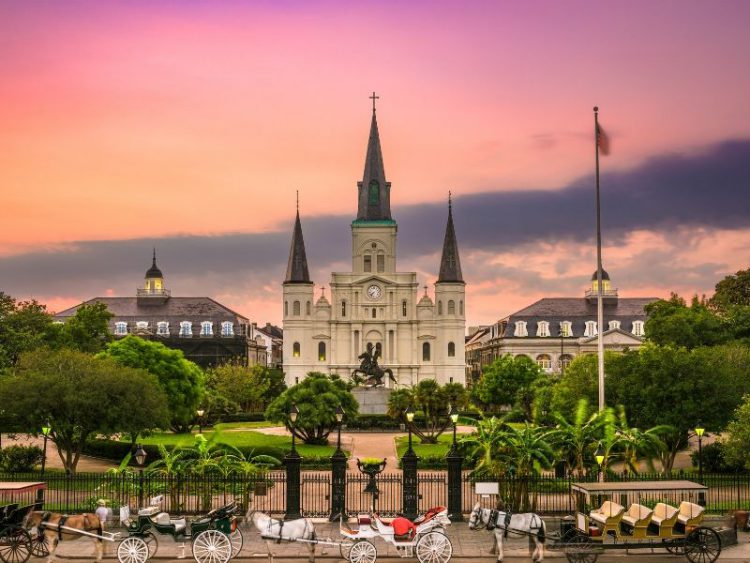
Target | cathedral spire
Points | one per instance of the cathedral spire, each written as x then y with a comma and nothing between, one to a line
296,270
374,191
450,263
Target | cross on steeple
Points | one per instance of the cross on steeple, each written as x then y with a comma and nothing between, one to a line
373,98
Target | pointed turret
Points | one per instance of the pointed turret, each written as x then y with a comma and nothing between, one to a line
153,291
296,270
450,263
374,190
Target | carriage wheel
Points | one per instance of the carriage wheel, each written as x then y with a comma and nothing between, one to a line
345,547
675,548
212,546
39,545
133,550
153,545
363,551
703,545
434,547
236,539
580,549
15,545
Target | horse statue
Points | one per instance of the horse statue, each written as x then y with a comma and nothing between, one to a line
46,527
369,373
501,523
280,530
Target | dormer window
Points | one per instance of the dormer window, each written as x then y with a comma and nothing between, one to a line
162,328
121,328
521,329
186,328
542,329
638,328
614,325
207,328
590,329
141,326
566,329
227,328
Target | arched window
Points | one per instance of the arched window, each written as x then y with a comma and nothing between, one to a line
227,328
186,328
542,329
295,349
440,307
121,328
451,350
638,328
368,263
321,351
373,193
590,328
296,309
451,307
426,352
374,313
379,348
308,308
565,360
286,308
544,361
343,308
207,328
403,308
461,307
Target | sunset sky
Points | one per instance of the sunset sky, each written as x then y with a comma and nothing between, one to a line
189,126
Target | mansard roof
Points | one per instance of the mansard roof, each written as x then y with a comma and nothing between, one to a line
173,309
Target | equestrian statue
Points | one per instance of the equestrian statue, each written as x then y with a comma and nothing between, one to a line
369,373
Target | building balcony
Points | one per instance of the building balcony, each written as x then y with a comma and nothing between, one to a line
608,295
156,293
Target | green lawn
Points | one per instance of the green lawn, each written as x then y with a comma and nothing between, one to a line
248,439
424,450
243,425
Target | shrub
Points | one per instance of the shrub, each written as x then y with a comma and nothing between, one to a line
713,459
20,459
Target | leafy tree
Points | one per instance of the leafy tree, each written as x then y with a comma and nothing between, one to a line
275,383
674,386
509,381
24,326
579,382
733,290
737,445
481,446
80,395
433,401
88,330
316,397
672,322
181,379
576,437
238,383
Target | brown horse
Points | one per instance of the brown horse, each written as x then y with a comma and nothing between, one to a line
48,523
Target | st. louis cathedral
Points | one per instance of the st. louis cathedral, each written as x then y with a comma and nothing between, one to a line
374,305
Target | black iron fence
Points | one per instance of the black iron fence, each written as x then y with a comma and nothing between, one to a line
188,494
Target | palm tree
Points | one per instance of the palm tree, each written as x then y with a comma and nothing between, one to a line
575,438
169,467
482,445
638,444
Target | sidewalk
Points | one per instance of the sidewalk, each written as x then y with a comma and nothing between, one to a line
467,544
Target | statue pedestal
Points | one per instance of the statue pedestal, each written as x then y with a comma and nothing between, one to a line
372,400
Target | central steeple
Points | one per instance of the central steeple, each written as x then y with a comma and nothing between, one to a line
374,191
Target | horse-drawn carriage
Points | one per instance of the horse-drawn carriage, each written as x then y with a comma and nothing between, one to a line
659,514
15,540
214,538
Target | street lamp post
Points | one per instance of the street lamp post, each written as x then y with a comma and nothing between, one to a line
409,465
200,413
599,455
140,460
338,473
699,431
293,461
455,461
46,429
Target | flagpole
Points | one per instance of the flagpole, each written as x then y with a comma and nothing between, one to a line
599,305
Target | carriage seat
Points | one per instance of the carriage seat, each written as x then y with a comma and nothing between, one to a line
163,519
608,517
7,510
430,514
635,521
402,529
663,519
150,511
689,514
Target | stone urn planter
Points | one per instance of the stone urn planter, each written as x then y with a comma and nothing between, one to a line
371,467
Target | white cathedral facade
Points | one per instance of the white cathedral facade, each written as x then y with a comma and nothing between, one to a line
374,303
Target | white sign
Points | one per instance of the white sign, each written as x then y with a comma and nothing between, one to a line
489,488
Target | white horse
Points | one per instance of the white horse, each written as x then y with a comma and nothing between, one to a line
525,524
279,530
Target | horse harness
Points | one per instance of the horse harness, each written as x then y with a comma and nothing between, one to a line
63,519
492,523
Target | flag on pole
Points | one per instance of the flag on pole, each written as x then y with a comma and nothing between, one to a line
602,139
